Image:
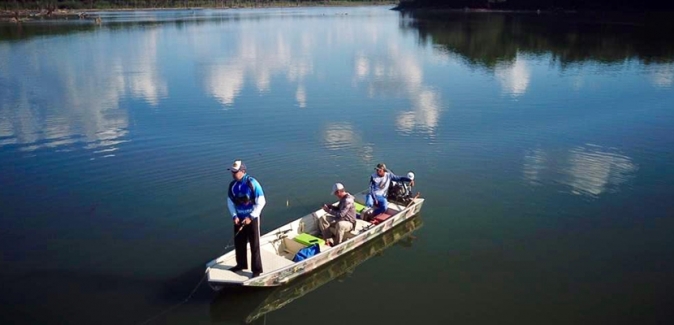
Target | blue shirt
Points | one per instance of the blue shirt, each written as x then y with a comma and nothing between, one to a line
244,202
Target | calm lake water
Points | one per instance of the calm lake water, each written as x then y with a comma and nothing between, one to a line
544,146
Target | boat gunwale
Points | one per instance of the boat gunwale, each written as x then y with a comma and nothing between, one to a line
396,219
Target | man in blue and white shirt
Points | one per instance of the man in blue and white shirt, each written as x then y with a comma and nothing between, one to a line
379,184
245,201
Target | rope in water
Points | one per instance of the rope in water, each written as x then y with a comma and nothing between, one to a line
167,310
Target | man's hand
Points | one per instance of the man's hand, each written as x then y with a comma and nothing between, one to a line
236,221
246,221
326,208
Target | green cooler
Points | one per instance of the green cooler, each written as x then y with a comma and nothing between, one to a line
359,207
306,239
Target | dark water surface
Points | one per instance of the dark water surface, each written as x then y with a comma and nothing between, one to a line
544,147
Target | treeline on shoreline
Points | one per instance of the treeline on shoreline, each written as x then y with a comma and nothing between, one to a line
490,40
52,5
544,5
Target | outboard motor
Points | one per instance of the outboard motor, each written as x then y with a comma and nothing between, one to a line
401,192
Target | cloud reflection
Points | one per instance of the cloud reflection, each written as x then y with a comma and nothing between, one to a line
147,83
79,97
301,96
588,170
342,136
339,136
257,58
225,83
400,72
663,76
514,78
535,163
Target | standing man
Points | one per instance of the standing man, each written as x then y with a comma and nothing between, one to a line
341,219
245,200
379,184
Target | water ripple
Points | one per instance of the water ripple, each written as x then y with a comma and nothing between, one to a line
587,170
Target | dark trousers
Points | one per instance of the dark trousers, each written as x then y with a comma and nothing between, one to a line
249,233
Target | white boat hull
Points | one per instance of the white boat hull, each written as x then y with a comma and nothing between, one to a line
277,249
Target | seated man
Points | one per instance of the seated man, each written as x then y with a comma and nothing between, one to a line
341,219
379,184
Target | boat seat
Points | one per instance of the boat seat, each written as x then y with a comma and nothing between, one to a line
383,216
360,224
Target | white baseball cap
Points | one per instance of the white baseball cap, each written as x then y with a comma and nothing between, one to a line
237,165
337,187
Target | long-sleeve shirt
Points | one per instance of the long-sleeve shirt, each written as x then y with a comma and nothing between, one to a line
346,209
243,201
379,184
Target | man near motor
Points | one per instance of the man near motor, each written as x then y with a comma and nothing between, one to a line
379,185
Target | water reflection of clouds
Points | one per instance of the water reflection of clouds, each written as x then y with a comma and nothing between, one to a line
342,136
514,78
258,58
663,76
301,96
146,83
398,72
535,163
588,170
339,136
76,105
225,83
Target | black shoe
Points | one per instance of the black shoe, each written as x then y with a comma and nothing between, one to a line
256,274
236,269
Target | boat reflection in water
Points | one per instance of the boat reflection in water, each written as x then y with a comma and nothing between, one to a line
242,304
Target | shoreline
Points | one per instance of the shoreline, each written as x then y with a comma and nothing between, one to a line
557,10
21,15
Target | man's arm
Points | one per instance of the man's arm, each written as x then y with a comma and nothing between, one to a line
259,199
343,210
232,208
397,178
373,185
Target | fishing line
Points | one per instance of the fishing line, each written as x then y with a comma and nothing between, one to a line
167,310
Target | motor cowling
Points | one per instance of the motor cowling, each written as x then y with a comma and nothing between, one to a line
400,192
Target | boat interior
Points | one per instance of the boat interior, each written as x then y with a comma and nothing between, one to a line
279,247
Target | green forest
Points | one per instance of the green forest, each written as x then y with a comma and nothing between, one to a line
487,40
119,4
547,5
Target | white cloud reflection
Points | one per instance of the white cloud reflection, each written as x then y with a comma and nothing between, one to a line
256,58
79,95
397,73
147,83
587,170
342,136
663,76
514,78
339,136
301,96
225,83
